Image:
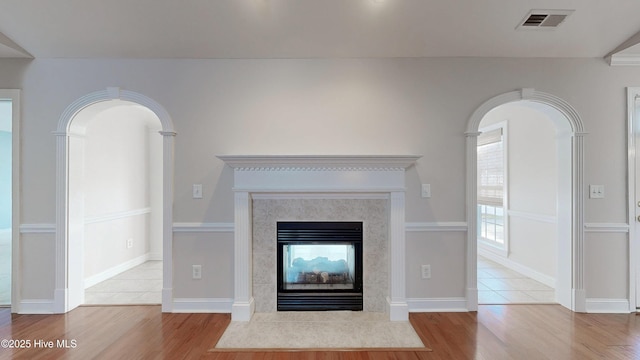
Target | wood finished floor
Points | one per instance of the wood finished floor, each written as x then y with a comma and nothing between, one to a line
494,332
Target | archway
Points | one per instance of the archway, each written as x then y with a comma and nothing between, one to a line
68,275
570,278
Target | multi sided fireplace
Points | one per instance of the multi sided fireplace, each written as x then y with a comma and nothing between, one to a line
319,266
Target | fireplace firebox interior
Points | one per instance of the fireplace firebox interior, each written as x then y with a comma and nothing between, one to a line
319,266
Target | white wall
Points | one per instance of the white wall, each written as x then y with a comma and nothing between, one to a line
117,186
347,106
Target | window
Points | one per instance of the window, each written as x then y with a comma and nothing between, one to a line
491,186
9,190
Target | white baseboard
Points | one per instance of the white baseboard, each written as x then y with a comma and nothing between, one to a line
154,256
111,272
202,305
472,299
397,310
437,305
579,300
36,306
524,270
243,310
608,306
167,300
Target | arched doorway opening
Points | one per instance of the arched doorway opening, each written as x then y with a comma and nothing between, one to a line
518,185
570,219
115,188
72,188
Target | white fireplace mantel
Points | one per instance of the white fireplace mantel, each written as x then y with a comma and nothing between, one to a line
312,174
319,161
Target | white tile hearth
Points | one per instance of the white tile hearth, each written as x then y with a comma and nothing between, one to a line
318,330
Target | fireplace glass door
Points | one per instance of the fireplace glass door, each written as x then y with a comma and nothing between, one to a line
319,266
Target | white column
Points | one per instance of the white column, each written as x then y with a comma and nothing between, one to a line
579,292
60,290
243,304
168,140
472,221
75,220
397,301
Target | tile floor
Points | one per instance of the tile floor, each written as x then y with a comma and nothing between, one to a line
140,285
5,267
500,285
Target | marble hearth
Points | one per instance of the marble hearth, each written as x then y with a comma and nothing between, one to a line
351,188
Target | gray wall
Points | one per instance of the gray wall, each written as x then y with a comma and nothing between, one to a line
349,106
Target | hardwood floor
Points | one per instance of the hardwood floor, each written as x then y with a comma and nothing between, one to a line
494,332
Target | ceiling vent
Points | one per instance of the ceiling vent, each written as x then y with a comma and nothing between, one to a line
544,19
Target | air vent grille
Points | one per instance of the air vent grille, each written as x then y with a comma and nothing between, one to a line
544,19
535,20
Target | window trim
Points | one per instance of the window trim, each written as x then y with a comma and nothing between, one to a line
486,244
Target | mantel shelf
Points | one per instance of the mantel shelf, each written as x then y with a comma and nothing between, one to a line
319,161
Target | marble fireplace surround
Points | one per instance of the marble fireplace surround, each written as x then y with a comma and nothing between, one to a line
318,177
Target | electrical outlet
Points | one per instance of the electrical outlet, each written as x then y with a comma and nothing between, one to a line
596,191
197,191
196,272
129,243
426,271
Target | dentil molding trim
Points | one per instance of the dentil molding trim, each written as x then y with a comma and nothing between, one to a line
319,162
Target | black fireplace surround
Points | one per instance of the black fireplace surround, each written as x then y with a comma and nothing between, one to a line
319,266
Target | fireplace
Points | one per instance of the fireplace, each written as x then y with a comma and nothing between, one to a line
319,266
319,177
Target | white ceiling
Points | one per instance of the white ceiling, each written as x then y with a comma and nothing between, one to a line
308,28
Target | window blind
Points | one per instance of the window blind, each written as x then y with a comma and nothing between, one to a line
491,168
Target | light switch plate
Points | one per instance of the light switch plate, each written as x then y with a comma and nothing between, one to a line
425,271
426,190
196,272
